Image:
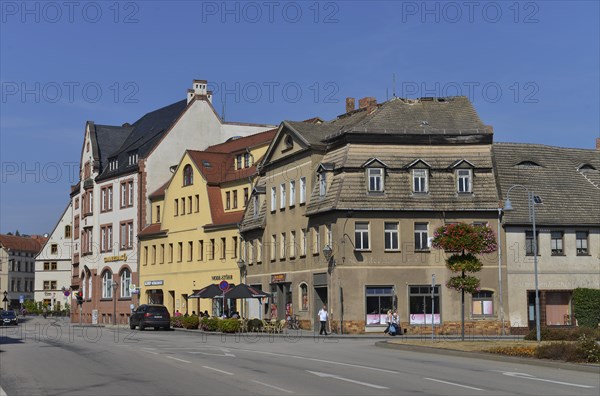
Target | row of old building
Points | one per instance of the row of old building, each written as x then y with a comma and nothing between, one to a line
316,212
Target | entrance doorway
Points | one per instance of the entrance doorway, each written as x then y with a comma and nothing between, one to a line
320,298
281,300
155,296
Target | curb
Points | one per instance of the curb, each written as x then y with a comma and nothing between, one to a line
282,335
588,368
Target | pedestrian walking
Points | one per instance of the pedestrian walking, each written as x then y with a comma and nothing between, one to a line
388,321
323,316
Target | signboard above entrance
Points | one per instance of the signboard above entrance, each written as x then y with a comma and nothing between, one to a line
278,278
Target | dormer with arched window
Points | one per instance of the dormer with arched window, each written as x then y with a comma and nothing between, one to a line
188,175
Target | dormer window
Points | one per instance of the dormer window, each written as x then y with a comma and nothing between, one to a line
247,161
375,176
132,158
255,206
322,184
238,162
420,178
288,143
188,175
464,181
113,164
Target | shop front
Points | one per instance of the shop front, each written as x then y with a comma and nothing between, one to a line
280,304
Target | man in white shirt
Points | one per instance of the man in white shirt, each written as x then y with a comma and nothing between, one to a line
323,315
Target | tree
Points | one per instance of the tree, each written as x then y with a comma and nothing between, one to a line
465,241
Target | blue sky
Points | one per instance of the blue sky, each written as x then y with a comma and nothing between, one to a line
531,69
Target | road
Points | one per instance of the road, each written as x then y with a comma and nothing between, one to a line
41,358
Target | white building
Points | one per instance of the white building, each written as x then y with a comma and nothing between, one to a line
53,264
120,167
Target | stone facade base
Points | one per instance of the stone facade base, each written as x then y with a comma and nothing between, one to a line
472,328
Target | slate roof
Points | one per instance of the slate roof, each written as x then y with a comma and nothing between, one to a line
23,244
249,221
106,139
570,196
144,136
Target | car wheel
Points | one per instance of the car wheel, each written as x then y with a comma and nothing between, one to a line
167,328
142,327
132,326
156,328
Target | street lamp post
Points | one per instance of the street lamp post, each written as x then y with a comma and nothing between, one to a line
328,253
532,200
114,289
5,300
242,266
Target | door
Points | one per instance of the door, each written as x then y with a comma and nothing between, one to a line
320,300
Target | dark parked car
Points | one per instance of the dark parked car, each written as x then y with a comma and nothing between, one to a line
150,315
8,318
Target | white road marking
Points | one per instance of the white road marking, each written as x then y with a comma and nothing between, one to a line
273,387
325,375
531,377
2,393
224,350
318,360
452,383
220,371
180,360
152,352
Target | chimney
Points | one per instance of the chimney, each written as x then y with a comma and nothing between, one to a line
350,106
597,143
190,95
368,103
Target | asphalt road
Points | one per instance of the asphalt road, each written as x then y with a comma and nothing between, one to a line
41,358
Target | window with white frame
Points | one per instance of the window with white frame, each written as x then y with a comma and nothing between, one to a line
421,236
292,250
391,236
282,246
303,242
316,240
375,176
303,297
292,193
282,197
361,236
420,180
556,243
482,303
302,190
132,157
125,283
464,180
322,184
259,250
273,247
328,235
581,243
273,199
529,243
255,206
107,284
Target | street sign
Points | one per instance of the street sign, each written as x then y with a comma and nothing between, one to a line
132,287
67,293
21,299
224,285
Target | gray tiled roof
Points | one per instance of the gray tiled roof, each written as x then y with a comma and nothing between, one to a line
249,222
108,139
348,188
570,197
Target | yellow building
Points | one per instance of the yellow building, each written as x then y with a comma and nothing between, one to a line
193,237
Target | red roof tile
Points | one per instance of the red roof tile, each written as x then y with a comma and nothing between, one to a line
219,216
151,230
25,244
239,144
160,192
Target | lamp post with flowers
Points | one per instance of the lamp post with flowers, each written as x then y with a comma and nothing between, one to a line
465,241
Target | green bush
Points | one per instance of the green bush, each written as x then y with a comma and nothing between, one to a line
586,307
209,324
229,325
563,334
559,351
255,325
177,322
588,349
190,322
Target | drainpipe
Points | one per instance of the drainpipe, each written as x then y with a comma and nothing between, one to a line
500,270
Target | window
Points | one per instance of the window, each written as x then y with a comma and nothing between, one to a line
127,194
227,200
76,226
556,243
46,285
179,252
322,184
235,199
361,236
292,244
302,190
292,193
375,176
463,179
273,199
558,308
581,243
125,282
380,299
234,247
282,247
420,184
113,164
238,161
419,305
188,175
200,250
46,266
250,254
273,247
259,251
529,243
103,200
246,196
106,238
255,206
176,207
157,220
421,239
247,162
132,158
223,248
190,204
54,248
282,198
197,199
53,266
76,203
170,252
162,253
107,284
391,236
212,249
482,303
303,242
183,206
316,240
109,198
126,235
303,297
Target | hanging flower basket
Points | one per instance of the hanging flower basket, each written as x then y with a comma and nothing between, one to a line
464,262
469,284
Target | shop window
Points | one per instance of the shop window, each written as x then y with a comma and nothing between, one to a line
380,299
303,297
558,308
419,305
